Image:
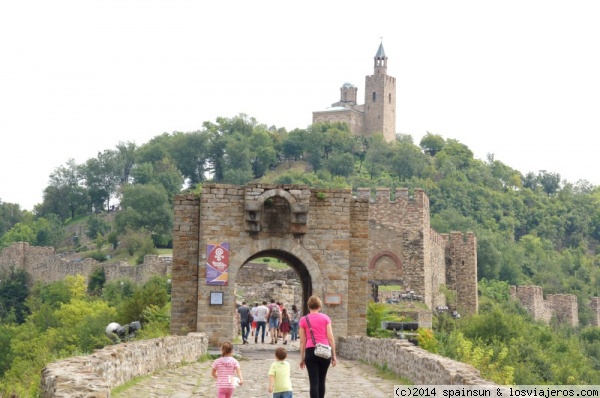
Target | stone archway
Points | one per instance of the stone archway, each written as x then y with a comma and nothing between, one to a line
323,235
389,276
297,257
293,286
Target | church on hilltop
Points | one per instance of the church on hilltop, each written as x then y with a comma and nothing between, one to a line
377,114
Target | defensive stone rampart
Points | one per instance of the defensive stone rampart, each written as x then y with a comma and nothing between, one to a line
93,376
409,361
44,265
562,306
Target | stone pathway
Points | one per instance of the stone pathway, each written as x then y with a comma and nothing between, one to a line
347,379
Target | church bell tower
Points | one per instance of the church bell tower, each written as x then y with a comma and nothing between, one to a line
380,100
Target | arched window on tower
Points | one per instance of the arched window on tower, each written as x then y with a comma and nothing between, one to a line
390,98
374,96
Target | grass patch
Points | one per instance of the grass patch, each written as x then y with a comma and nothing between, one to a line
272,262
390,288
388,374
127,385
123,387
206,357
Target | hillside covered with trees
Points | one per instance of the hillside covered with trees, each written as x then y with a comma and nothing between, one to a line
531,228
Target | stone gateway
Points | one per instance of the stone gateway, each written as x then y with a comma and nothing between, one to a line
339,244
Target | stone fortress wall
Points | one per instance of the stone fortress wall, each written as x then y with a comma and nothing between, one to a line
44,265
403,246
562,306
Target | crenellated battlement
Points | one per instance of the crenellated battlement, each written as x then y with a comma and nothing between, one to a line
387,79
383,196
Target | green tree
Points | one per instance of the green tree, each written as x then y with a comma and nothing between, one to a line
293,144
102,175
407,161
13,294
432,144
153,293
125,160
145,207
10,215
189,151
377,156
263,155
96,225
66,193
340,164
97,281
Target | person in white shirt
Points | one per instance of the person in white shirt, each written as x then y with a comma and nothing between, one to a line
261,321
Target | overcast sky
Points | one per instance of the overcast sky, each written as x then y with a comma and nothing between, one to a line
519,79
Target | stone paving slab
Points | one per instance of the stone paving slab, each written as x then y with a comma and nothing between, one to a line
347,379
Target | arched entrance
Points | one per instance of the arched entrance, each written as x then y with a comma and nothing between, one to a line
295,264
322,235
385,269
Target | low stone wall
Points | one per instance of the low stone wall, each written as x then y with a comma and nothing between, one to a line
93,376
409,361
44,265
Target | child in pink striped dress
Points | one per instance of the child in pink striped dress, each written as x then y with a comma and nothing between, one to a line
224,369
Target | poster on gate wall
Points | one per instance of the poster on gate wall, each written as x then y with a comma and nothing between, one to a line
217,263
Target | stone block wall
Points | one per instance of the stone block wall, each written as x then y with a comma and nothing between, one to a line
358,289
437,261
563,306
532,298
258,282
409,361
44,265
397,227
94,375
184,291
461,269
402,246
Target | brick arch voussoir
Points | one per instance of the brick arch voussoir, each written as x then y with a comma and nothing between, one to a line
389,254
276,192
287,245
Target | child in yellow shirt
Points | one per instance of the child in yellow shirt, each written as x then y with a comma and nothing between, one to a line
280,382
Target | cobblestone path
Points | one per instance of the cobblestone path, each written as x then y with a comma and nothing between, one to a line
347,379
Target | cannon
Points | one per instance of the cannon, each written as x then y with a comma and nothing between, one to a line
404,330
400,326
118,333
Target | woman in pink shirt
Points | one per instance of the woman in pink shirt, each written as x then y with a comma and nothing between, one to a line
321,328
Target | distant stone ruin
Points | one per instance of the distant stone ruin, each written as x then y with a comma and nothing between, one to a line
44,265
258,282
562,306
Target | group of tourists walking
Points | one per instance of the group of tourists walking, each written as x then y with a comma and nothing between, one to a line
272,319
317,347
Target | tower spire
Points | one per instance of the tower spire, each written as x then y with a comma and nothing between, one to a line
380,64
